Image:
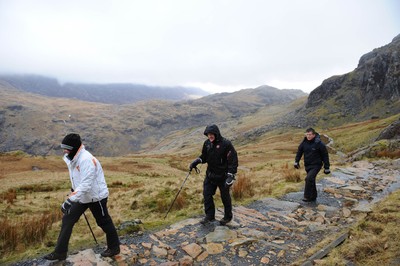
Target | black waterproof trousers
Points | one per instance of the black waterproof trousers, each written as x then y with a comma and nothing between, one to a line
103,219
310,189
209,189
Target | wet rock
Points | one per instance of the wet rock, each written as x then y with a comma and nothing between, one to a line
225,261
254,233
186,261
265,260
193,250
354,188
213,248
349,202
241,242
272,204
242,253
181,224
169,263
159,252
221,234
363,165
202,256
363,207
328,210
346,212
335,180
147,245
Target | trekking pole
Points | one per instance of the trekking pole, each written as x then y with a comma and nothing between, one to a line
87,221
184,181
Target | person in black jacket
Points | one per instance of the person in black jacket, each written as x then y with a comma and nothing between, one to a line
222,163
315,156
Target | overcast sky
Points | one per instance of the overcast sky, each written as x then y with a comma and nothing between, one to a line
212,44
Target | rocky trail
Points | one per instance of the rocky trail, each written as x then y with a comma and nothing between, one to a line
267,232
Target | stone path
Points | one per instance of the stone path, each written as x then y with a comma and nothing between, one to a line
267,232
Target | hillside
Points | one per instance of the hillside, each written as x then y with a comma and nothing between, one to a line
371,90
36,124
102,93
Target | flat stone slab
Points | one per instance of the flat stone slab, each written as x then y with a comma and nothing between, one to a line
221,234
272,204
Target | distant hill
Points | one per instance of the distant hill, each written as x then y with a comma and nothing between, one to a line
36,124
103,93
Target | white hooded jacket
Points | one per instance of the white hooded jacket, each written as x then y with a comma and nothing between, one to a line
87,177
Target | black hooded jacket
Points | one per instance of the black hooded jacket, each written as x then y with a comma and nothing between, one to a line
315,153
220,155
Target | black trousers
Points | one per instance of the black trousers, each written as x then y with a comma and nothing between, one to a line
103,219
310,189
209,189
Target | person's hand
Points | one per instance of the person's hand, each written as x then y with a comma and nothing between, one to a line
66,206
194,164
229,180
296,165
327,171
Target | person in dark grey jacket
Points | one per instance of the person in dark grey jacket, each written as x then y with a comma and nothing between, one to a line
222,163
315,156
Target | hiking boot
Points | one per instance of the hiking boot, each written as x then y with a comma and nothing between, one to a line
56,256
224,221
110,252
308,200
207,220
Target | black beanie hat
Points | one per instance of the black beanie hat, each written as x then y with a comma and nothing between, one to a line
71,142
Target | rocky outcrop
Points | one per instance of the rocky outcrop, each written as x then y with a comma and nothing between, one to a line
391,132
377,77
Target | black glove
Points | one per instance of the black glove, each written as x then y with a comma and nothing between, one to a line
296,165
229,180
194,164
66,206
327,171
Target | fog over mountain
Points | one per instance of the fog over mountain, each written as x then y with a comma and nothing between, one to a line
103,93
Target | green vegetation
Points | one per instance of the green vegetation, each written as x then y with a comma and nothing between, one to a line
350,137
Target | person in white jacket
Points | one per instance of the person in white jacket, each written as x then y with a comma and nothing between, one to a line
89,191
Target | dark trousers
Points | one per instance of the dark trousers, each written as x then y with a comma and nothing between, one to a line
209,189
103,219
310,189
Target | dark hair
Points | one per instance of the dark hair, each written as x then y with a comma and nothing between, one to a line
310,129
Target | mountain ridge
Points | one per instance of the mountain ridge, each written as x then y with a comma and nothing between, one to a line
114,93
35,124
